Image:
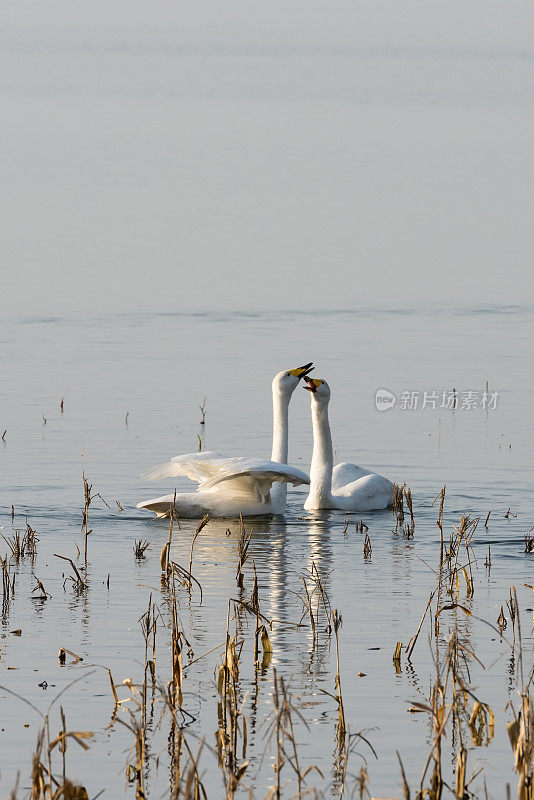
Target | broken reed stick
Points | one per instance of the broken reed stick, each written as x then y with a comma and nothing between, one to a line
78,581
203,411
397,657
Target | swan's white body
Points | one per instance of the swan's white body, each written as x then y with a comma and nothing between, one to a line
345,487
228,487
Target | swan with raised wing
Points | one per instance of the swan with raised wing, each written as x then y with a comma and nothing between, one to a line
346,487
228,487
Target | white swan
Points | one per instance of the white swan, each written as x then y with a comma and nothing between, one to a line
345,486
228,487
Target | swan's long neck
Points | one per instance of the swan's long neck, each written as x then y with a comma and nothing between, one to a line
280,445
322,462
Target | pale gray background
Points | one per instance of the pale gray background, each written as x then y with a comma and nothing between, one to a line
258,155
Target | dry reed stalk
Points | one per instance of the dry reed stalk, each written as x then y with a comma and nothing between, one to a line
413,640
165,558
481,723
409,529
43,594
44,783
85,520
502,622
178,640
135,771
281,729
315,592
186,578
22,544
232,728
191,787
243,544
255,605
521,735
30,540
521,729
307,602
8,585
464,534
138,722
203,411
77,581
398,506
337,621
62,656
397,657
140,548
460,774
510,604
15,790
314,573
405,787
439,521
202,524
88,499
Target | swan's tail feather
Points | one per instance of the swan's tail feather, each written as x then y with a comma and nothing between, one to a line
187,506
161,509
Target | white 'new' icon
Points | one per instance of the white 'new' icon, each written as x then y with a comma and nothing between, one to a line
384,400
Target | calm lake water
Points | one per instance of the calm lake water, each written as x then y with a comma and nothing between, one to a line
157,368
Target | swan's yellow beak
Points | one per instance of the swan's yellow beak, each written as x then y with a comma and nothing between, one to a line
301,372
313,384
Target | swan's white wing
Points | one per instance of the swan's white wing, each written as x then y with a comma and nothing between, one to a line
198,467
345,473
232,479
254,475
240,486
369,493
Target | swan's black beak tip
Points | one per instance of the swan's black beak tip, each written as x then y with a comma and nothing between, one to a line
301,372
